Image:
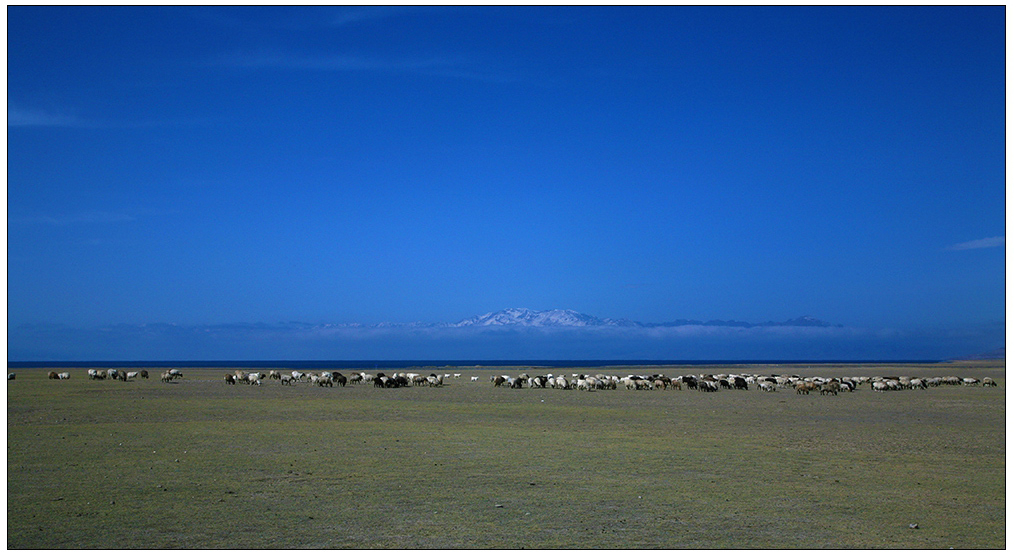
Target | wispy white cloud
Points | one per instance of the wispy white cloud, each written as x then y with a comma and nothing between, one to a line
437,65
274,59
95,217
21,117
984,243
300,18
363,14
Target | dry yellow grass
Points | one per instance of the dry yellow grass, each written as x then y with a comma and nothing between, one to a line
201,464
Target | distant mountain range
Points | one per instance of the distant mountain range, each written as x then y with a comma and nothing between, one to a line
568,317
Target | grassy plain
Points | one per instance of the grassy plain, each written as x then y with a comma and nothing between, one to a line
202,464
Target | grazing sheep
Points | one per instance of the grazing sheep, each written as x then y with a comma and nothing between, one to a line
340,379
474,379
969,381
175,373
275,375
829,388
64,376
92,374
167,376
53,376
988,382
766,386
325,380
131,375
707,386
10,376
435,380
286,379
252,378
804,387
144,374
878,386
230,379
113,374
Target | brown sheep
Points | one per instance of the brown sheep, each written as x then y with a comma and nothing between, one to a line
804,387
829,388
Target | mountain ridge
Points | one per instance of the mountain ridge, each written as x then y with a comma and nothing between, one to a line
571,318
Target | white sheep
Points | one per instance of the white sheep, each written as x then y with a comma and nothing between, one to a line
64,376
766,386
131,375
475,379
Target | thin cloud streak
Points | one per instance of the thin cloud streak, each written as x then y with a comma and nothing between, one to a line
19,117
305,18
984,243
74,219
334,62
449,66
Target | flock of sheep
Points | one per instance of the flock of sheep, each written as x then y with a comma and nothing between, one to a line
700,382
716,382
330,378
113,374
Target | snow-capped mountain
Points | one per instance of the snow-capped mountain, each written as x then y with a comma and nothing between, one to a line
527,317
568,317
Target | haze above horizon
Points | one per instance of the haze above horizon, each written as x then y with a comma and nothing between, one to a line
214,165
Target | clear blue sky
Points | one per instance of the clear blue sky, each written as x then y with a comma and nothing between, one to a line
215,165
